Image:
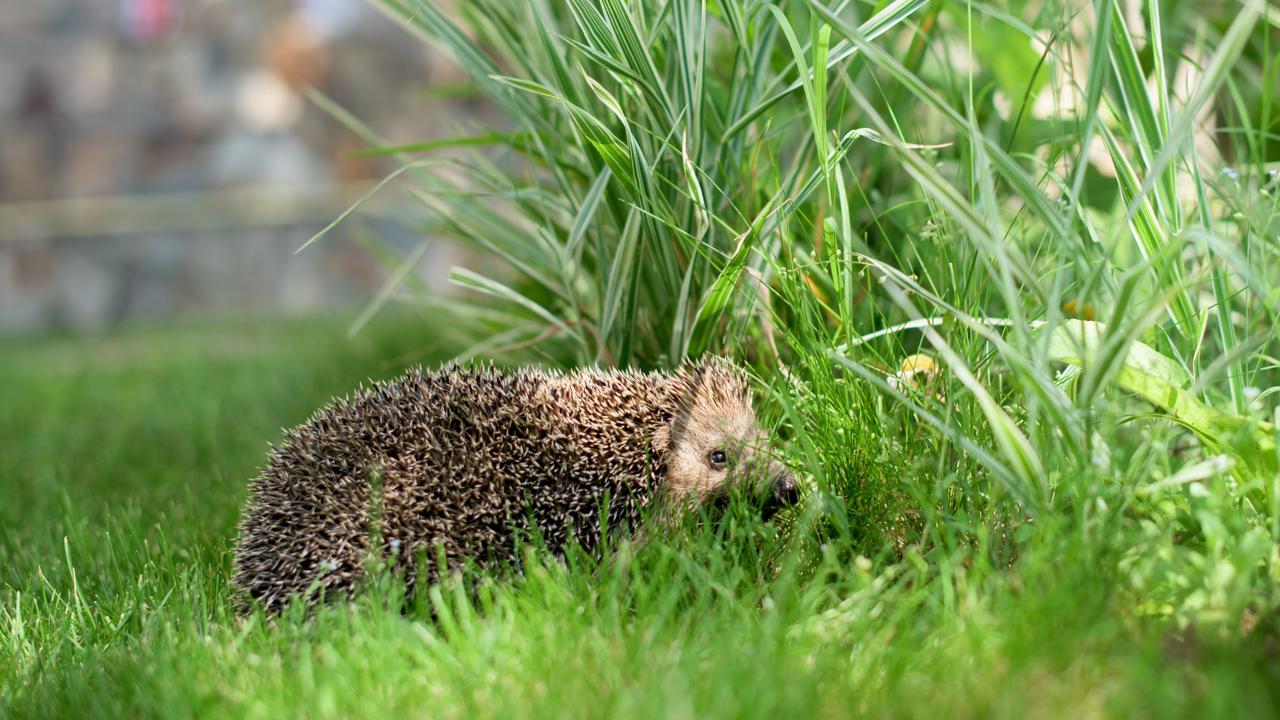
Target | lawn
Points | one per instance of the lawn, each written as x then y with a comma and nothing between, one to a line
1007,282
126,461
126,464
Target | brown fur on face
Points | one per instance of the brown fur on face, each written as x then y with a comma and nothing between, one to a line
714,443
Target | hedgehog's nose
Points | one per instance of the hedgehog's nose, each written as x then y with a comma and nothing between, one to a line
784,493
786,490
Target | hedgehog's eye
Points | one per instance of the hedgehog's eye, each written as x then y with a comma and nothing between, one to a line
717,459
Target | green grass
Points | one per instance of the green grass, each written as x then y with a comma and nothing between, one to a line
129,467
1077,513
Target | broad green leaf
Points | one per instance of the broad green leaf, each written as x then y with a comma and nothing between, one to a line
1163,383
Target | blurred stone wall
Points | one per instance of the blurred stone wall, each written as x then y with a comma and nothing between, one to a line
158,157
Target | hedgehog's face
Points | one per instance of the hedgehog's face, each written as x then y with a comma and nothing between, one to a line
714,446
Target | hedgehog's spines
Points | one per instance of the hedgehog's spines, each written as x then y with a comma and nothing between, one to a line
459,450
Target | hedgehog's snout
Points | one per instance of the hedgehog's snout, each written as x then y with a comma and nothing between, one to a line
782,491
785,489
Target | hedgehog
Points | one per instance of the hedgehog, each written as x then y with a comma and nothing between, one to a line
463,464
